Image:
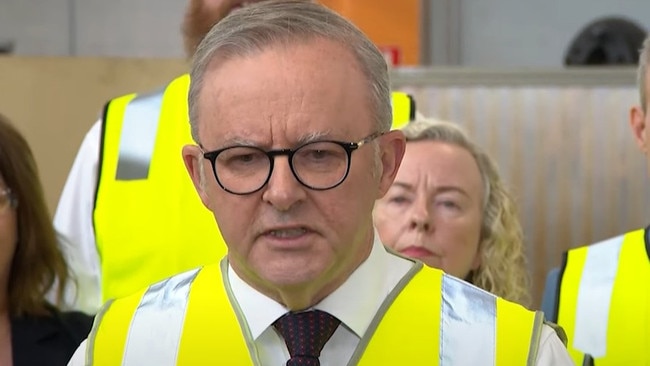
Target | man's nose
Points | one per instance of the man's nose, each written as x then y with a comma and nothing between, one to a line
283,189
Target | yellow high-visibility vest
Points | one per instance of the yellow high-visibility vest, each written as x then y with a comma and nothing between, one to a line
403,109
429,319
149,221
604,301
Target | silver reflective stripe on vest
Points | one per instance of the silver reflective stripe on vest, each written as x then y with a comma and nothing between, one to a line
138,136
594,296
467,324
157,325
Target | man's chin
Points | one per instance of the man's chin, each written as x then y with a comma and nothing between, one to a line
291,279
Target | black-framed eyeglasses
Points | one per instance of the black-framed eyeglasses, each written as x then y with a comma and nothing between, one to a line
7,199
317,165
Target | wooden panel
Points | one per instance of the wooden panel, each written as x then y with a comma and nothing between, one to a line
54,101
386,22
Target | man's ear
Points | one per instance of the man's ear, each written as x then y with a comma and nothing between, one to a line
193,158
393,145
638,125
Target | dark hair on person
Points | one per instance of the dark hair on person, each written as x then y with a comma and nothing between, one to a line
38,264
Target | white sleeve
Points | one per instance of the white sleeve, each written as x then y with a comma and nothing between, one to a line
552,351
73,220
79,356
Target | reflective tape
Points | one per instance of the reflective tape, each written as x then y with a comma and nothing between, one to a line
467,324
157,326
594,297
138,136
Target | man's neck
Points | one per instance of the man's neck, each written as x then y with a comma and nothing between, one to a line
305,297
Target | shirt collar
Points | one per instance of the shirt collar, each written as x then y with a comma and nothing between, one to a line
354,303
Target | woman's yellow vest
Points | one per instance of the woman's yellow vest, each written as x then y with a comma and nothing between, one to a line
429,319
149,221
604,302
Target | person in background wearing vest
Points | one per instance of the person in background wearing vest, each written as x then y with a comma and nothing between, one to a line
449,208
33,331
128,209
115,181
290,110
601,296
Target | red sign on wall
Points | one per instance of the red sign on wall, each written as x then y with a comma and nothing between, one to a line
392,54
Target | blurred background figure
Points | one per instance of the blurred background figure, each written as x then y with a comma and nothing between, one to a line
32,331
606,41
449,208
6,47
111,200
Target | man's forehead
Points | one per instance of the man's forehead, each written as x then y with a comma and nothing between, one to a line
287,87
291,46
278,74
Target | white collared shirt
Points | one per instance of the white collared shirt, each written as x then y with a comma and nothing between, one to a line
354,303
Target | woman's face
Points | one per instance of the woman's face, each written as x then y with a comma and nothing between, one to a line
433,210
8,233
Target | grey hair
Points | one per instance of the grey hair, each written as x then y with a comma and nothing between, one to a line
202,180
257,27
644,58
503,265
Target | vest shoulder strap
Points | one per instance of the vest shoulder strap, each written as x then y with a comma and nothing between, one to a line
137,118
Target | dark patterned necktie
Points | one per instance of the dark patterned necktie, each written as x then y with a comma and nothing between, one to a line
305,334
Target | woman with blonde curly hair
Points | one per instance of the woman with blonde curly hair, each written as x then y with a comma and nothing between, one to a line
449,208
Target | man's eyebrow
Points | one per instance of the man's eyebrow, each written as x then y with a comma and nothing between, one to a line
237,141
302,139
313,136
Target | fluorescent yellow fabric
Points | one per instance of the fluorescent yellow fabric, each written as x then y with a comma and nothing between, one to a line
628,323
411,314
110,330
518,332
210,309
150,229
403,109
407,334
415,310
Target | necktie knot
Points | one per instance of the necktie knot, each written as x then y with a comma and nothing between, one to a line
305,334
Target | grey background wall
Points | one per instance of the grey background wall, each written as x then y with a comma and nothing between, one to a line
122,28
486,33
532,33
